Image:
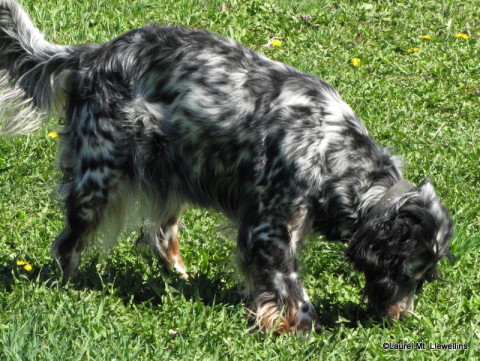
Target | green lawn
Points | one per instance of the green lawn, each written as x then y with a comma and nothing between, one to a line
420,95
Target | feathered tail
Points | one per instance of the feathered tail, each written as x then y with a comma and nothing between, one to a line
34,74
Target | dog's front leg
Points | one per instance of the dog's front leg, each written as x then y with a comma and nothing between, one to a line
280,301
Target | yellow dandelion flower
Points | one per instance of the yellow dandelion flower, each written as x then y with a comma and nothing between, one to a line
426,37
368,46
462,36
25,265
276,42
356,62
412,50
468,87
53,135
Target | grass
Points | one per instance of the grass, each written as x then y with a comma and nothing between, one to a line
424,102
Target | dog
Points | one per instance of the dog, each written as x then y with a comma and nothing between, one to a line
162,117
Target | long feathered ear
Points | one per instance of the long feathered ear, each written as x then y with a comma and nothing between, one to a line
381,243
388,237
364,249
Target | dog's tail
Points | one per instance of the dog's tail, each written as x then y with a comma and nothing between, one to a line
34,74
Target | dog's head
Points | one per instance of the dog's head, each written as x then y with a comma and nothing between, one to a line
398,249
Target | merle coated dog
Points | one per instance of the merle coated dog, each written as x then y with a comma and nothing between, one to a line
163,116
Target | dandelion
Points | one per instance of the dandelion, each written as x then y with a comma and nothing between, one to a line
25,265
468,87
462,36
426,37
412,50
356,62
53,135
273,42
368,46
276,42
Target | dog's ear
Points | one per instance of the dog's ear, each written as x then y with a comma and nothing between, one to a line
382,248
382,242
388,237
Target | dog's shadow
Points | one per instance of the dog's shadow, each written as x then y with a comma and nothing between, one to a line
349,314
133,284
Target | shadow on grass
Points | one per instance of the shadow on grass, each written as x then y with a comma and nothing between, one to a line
128,281
131,282
11,273
348,314
134,281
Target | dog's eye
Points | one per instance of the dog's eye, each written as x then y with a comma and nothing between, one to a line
414,271
419,269
418,274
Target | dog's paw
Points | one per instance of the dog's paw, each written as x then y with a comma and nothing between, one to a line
307,319
299,320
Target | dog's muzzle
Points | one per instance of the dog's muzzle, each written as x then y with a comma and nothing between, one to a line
401,309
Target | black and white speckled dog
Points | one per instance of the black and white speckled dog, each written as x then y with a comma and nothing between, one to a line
162,117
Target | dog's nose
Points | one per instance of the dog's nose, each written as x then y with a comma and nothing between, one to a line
401,309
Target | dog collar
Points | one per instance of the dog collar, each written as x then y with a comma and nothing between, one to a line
400,188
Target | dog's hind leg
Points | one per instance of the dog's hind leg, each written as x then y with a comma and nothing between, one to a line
81,221
93,162
162,238
167,249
